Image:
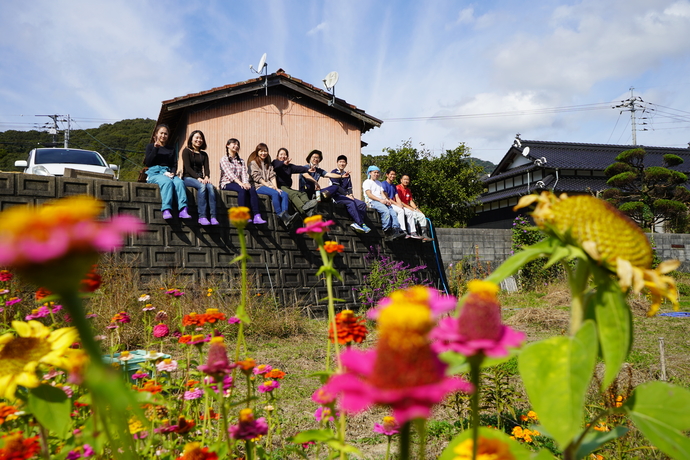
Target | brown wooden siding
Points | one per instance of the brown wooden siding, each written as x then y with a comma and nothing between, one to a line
278,122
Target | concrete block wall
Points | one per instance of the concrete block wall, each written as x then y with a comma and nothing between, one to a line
487,245
280,258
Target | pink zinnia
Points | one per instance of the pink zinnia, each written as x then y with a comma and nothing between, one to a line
40,312
438,302
323,397
194,393
403,372
12,301
478,329
268,386
315,226
324,413
6,275
217,365
166,365
160,331
140,375
389,427
233,320
262,369
247,428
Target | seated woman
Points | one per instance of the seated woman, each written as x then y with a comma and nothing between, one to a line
162,164
195,173
284,169
263,176
234,176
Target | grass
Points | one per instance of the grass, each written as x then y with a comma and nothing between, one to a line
286,338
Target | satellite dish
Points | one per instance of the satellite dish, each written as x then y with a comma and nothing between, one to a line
262,66
331,80
525,151
262,63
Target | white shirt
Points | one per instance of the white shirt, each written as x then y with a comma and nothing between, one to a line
374,187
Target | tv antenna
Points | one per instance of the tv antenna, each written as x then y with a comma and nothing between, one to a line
262,67
330,82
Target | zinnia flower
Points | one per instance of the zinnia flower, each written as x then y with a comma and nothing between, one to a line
167,365
42,293
12,301
194,393
6,275
6,412
239,216
233,320
488,449
34,344
350,328
275,374
193,319
56,244
247,428
174,292
144,298
91,281
194,451
478,329
314,226
332,247
268,386
609,237
217,365
212,315
261,369
438,303
324,413
160,331
16,447
389,427
402,372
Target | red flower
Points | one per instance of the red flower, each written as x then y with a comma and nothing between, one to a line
193,319
275,374
332,247
16,447
151,387
193,451
350,328
212,315
42,293
6,275
91,281
185,338
160,331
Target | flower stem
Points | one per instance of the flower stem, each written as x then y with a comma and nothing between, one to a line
475,377
404,453
388,448
578,285
420,424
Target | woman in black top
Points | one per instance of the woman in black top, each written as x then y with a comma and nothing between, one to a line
195,173
162,164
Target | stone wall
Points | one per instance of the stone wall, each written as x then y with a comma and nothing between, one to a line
281,260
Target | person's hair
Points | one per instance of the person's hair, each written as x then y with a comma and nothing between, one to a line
286,152
341,157
158,128
389,170
312,153
403,176
254,156
203,140
230,141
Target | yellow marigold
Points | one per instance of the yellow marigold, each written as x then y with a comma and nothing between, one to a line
607,236
239,216
34,344
488,449
533,415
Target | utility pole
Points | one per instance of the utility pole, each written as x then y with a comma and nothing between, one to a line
54,129
632,104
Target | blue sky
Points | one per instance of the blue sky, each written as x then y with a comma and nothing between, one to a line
438,73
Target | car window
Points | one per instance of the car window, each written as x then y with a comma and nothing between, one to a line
80,157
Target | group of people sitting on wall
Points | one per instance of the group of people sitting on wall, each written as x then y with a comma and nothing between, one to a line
262,176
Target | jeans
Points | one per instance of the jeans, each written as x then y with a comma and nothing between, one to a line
356,208
206,196
170,188
389,218
280,200
247,198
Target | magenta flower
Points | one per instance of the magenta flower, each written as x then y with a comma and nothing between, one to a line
403,372
40,312
160,331
234,320
323,396
140,375
438,302
12,301
247,428
389,427
217,365
174,292
262,369
227,383
6,275
268,386
315,226
194,393
478,329
324,413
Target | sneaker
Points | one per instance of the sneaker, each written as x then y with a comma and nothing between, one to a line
415,236
356,227
167,214
214,221
204,221
397,233
184,214
366,228
258,220
310,205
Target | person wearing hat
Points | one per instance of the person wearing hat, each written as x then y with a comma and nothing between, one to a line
376,198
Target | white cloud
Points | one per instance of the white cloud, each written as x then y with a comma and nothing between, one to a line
321,27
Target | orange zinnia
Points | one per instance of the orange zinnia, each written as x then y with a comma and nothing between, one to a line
351,328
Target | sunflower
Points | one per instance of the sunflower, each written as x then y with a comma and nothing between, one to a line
34,344
609,237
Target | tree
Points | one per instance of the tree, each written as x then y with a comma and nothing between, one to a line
649,195
444,187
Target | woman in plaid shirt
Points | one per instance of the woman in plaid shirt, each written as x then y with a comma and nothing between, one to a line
234,176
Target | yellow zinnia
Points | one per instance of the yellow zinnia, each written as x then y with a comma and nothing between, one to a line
607,236
488,449
34,344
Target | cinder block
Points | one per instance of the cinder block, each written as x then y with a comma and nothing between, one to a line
179,236
196,257
70,187
35,186
111,190
142,192
151,236
151,276
132,209
7,183
165,258
136,257
7,202
298,261
292,278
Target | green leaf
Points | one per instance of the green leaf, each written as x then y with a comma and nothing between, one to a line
614,325
556,373
312,435
51,407
519,452
660,412
596,439
516,261
342,447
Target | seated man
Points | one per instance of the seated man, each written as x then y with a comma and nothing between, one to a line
414,215
392,193
343,195
284,170
376,198
309,183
